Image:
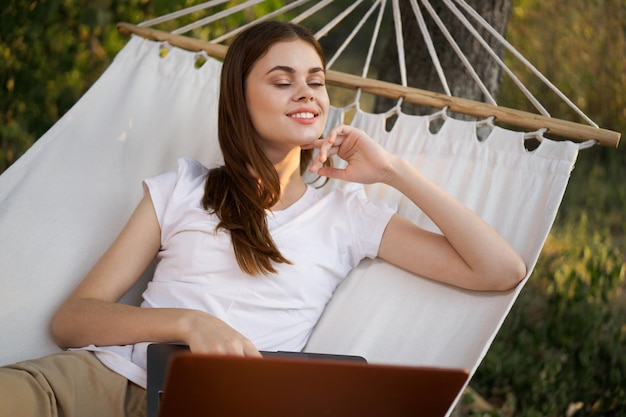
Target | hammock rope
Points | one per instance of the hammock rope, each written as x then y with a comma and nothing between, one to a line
216,17
181,13
468,66
370,52
268,16
399,42
430,46
352,34
499,61
525,120
522,59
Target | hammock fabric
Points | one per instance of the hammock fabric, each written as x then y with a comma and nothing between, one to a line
66,199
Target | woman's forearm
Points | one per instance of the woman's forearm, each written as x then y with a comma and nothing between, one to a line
83,321
484,251
86,321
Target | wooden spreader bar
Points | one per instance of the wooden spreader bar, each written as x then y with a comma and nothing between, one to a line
517,118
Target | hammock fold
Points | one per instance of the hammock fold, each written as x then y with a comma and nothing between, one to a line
65,200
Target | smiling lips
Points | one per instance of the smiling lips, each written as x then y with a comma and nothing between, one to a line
303,117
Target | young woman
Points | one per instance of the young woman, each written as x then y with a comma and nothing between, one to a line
249,254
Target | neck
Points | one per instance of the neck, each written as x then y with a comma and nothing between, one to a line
292,187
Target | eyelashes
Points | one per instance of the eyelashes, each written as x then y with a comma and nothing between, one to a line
311,84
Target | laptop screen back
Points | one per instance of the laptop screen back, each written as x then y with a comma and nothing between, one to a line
204,385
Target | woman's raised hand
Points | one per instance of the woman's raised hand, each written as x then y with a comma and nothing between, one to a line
368,162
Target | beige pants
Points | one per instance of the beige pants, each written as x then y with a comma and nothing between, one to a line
68,384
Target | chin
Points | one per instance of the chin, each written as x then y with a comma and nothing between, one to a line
310,135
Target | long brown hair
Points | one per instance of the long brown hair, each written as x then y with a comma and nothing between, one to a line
240,191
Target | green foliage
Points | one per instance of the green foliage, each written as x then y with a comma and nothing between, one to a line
52,51
578,45
563,342
561,350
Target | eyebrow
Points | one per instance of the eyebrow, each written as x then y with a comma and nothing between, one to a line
290,70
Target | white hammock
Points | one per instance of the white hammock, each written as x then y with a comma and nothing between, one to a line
66,199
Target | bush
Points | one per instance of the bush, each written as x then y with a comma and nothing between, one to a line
561,350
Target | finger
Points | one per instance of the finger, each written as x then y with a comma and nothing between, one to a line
251,351
318,163
234,348
338,133
313,145
315,165
327,145
316,144
330,172
333,143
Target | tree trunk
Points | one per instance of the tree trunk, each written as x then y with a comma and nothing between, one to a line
421,72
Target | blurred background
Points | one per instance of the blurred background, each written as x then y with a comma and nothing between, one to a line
561,350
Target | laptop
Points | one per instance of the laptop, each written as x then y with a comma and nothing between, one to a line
160,355
304,386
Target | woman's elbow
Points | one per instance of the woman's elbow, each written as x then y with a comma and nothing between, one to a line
60,326
56,328
509,274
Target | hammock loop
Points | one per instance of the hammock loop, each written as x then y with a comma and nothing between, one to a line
440,114
488,122
200,58
396,109
357,97
164,48
354,104
537,134
587,144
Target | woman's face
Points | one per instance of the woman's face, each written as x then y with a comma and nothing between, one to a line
286,96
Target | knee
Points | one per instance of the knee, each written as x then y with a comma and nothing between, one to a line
25,393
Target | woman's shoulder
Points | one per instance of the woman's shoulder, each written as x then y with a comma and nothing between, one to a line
186,180
189,174
189,178
191,168
187,169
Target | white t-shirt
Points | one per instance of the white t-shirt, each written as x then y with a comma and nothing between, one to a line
324,237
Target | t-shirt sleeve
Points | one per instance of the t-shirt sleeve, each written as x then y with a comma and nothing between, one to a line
369,220
160,189
174,192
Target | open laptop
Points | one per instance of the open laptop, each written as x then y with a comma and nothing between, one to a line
160,356
292,386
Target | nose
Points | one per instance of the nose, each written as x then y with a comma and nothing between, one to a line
304,94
